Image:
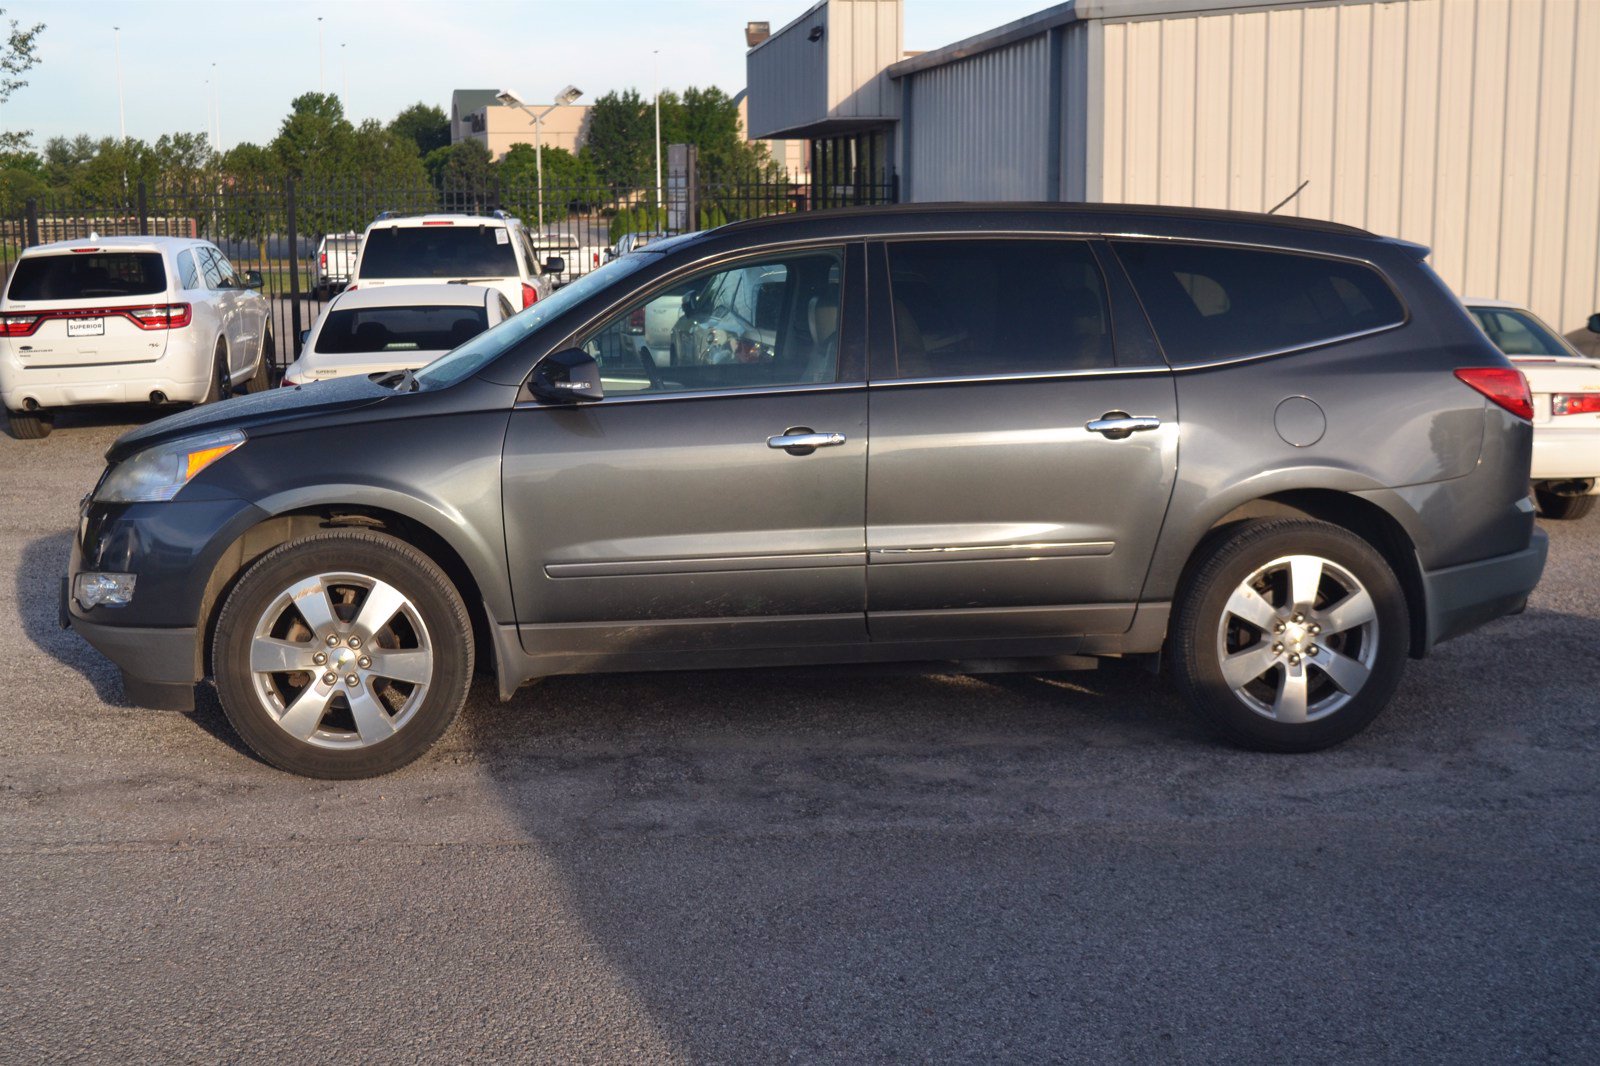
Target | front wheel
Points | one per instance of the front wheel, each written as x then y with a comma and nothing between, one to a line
1290,636
1563,507
343,654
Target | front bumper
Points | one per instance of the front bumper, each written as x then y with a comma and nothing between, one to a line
1462,598
159,666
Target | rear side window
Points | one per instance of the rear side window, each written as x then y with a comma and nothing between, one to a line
188,273
88,275
400,329
1208,302
976,307
446,251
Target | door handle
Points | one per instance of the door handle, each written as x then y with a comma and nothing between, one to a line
1118,425
800,440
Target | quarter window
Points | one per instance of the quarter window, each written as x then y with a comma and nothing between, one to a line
1208,302
966,308
188,273
760,323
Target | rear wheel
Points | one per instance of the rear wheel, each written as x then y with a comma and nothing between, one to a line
221,377
344,654
1290,636
29,425
1563,507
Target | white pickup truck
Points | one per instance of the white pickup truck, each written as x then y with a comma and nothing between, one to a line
1566,406
336,262
578,258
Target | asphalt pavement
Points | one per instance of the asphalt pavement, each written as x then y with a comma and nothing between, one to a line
806,866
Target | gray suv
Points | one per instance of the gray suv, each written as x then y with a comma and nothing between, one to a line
1274,455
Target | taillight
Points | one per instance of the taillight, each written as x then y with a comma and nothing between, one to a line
636,321
439,223
530,295
322,261
350,288
1503,385
18,325
160,316
596,260
1575,403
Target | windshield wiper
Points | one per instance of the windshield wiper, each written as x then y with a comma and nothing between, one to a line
397,378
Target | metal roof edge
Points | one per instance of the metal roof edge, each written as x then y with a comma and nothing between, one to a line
787,26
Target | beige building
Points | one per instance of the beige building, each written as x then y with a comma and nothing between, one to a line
475,114
1471,126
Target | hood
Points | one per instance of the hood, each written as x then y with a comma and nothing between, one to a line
253,411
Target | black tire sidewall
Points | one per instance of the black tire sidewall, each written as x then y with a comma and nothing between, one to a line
29,425
1228,562
1563,508
375,555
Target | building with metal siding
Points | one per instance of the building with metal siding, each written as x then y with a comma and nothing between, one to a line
1465,125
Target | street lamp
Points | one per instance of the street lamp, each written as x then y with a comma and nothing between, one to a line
511,99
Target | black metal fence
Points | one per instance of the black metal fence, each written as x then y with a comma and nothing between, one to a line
277,229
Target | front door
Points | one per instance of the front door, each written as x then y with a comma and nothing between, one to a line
715,500
1019,474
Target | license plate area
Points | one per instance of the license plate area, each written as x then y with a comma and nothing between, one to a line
86,327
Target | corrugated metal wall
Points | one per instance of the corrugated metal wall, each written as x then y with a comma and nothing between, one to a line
864,39
1471,126
787,77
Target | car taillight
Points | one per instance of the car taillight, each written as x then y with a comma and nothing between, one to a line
159,316
530,295
350,288
1503,385
1575,403
596,260
18,325
322,261
636,321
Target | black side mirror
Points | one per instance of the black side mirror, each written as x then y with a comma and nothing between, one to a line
555,265
1594,322
569,376
253,279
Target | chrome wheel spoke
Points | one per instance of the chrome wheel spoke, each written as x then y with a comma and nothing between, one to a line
1290,706
269,655
1241,668
310,598
371,721
1305,575
302,717
383,602
1248,604
1354,610
1349,674
415,667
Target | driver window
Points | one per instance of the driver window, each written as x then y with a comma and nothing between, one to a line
756,323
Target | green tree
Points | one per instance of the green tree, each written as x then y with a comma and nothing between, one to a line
622,139
17,57
315,140
461,174
570,183
21,178
424,125
253,176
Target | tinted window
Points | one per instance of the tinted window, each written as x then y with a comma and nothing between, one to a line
400,329
964,308
188,273
85,275
1209,303
765,323
439,252
1519,333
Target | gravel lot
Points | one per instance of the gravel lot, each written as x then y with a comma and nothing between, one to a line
815,865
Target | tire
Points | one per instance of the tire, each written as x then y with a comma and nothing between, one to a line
1563,508
221,387
298,721
1254,700
29,425
261,380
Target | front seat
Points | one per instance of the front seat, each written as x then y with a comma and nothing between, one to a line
822,315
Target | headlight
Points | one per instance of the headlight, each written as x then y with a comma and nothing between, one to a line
158,473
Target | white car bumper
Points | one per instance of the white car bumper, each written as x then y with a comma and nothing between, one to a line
1566,453
72,386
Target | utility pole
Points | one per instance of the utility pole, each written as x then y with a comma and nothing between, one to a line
122,115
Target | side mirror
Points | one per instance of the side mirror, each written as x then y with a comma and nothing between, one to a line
555,265
567,377
1594,322
253,279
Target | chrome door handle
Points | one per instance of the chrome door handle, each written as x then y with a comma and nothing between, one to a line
799,440
1117,425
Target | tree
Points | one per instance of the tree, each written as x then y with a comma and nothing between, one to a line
17,57
570,183
622,139
461,173
424,125
315,138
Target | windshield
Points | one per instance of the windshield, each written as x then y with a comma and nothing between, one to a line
485,348
1519,333
86,275
400,329
441,251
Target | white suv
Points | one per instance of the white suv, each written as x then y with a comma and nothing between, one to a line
127,320
489,250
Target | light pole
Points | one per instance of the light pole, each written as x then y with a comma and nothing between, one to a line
122,116
660,192
511,99
216,103
322,79
344,67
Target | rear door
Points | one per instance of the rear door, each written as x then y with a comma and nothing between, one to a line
243,316
1019,472
83,300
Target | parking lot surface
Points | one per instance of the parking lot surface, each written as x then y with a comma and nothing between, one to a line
801,865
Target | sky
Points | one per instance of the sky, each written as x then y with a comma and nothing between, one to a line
391,53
